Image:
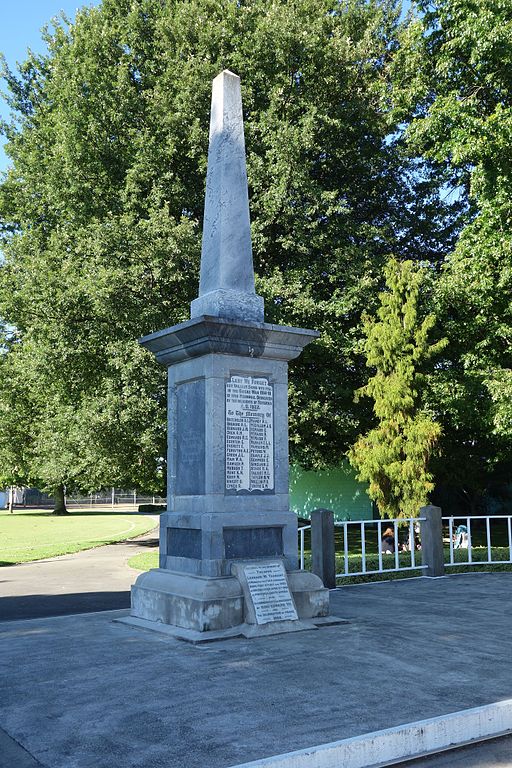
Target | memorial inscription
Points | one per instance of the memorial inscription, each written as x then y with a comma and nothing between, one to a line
249,434
270,593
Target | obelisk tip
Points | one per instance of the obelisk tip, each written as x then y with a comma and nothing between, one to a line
226,287
228,72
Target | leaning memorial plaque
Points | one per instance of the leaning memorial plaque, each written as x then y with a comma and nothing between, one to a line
270,593
249,434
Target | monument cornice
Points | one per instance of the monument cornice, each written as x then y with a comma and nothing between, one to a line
206,335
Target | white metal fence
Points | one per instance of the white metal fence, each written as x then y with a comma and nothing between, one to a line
373,547
408,545
367,536
461,535
302,531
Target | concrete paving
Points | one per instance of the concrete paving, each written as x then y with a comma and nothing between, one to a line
92,580
84,692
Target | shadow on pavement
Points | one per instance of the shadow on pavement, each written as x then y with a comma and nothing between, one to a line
41,606
149,543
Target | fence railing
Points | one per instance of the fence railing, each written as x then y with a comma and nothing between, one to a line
425,545
113,497
401,543
462,537
374,555
302,531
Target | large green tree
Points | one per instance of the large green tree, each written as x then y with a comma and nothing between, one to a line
101,212
457,69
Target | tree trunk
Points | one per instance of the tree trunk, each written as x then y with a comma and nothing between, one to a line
11,499
59,501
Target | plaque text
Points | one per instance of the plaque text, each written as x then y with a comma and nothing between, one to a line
249,434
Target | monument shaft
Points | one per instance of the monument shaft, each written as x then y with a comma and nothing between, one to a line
226,286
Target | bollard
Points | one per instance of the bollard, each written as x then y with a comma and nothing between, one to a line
432,540
322,546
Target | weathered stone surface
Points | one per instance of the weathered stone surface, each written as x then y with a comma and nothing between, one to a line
206,604
216,335
216,371
226,287
323,547
224,537
432,550
231,305
191,602
310,595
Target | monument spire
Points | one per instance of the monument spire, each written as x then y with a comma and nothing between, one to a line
226,287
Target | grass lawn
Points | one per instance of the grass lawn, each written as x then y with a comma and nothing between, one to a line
37,534
147,560
144,562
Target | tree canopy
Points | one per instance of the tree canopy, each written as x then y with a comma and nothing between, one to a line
358,124
461,53
101,210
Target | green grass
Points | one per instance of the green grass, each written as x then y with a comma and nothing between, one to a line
144,562
147,560
37,534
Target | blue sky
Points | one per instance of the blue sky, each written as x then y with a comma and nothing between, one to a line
20,28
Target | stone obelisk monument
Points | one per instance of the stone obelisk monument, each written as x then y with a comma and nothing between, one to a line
228,542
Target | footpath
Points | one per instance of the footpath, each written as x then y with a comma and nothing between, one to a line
92,580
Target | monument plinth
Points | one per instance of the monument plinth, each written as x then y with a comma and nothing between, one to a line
228,508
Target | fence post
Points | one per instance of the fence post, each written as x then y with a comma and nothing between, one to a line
322,546
432,540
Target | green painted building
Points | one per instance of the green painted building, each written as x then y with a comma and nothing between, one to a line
336,489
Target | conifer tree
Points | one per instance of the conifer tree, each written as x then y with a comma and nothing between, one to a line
393,457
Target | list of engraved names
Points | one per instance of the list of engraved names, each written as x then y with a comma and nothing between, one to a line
249,434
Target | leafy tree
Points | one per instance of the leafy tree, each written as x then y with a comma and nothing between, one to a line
393,457
101,212
16,414
459,63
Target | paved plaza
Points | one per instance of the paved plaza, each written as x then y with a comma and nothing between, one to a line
83,691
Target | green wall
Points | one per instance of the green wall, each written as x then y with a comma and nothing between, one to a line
335,489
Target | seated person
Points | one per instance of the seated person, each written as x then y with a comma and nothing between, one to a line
388,542
461,537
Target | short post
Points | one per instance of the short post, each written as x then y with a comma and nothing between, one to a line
432,540
322,546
